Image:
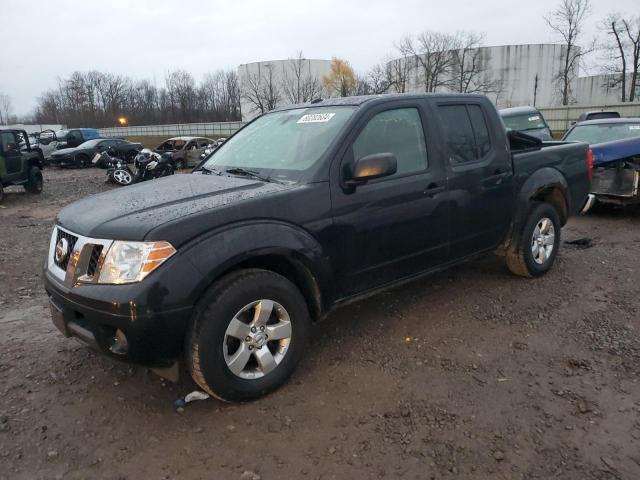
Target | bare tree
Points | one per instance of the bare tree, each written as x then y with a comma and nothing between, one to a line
469,69
431,53
632,29
261,89
567,22
298,83
6,108
616,51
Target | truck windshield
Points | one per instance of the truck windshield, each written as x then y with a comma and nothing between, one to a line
282,143
524,122
603,132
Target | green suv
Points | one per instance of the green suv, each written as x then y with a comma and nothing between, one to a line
19,163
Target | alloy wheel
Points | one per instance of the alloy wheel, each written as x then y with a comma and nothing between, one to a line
543,240
257,339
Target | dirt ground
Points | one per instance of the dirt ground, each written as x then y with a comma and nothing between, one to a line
472,373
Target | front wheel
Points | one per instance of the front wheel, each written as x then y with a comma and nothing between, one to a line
536,248
34,182
248,333
122,177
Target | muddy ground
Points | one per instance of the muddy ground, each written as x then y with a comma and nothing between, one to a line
472,373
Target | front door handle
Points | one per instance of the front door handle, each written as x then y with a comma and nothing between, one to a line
433,189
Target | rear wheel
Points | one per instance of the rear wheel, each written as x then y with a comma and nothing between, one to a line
1,192
536,247
81,161
248,334
35,181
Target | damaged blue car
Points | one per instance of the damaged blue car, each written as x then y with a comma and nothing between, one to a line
615,143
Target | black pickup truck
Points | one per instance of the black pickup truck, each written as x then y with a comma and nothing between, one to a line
305,208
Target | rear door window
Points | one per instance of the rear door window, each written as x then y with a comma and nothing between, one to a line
466,132
480,130
458,132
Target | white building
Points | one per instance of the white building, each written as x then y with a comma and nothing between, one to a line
275,83
514,74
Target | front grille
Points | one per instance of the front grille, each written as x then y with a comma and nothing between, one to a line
71,240
96,251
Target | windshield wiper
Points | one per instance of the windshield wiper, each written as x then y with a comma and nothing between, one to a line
208,171
248,173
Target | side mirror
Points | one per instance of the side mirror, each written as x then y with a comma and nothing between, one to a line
376,165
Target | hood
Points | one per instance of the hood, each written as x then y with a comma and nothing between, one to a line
608,152
129,213
64,151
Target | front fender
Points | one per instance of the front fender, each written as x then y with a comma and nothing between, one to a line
218,251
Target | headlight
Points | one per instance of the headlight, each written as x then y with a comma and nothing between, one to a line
129,262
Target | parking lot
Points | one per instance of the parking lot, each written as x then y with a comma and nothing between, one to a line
470,373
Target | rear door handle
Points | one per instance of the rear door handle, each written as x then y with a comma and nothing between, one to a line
433,189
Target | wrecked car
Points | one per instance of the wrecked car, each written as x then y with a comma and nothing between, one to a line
615,144
527,120
184,151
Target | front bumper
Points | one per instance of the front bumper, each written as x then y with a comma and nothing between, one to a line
153,338
95,314
152,315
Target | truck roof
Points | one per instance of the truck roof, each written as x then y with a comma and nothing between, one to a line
362,99
505,112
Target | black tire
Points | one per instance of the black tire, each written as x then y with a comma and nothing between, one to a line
1,192
35,181
520,257
205,342
81,161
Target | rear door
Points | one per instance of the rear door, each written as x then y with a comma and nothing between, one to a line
479,174
392,227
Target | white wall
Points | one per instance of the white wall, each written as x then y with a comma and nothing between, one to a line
312,67
598,89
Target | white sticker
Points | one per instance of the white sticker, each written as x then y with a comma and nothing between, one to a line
634,127
316,118
534,118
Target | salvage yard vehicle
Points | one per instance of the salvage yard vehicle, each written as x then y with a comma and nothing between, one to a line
527,120
82,155
304,209
19,166
185,151
74,137
597,115
615,143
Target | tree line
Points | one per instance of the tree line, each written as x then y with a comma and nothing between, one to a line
99,99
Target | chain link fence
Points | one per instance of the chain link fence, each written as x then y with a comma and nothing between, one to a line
561,118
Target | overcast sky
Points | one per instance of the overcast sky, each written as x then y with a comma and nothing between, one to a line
43,40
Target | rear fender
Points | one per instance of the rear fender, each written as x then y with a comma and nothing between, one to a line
546,184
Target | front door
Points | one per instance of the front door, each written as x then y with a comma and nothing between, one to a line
395,226
11,154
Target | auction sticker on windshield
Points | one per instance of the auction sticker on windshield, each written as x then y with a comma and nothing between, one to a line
634,127
316,118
